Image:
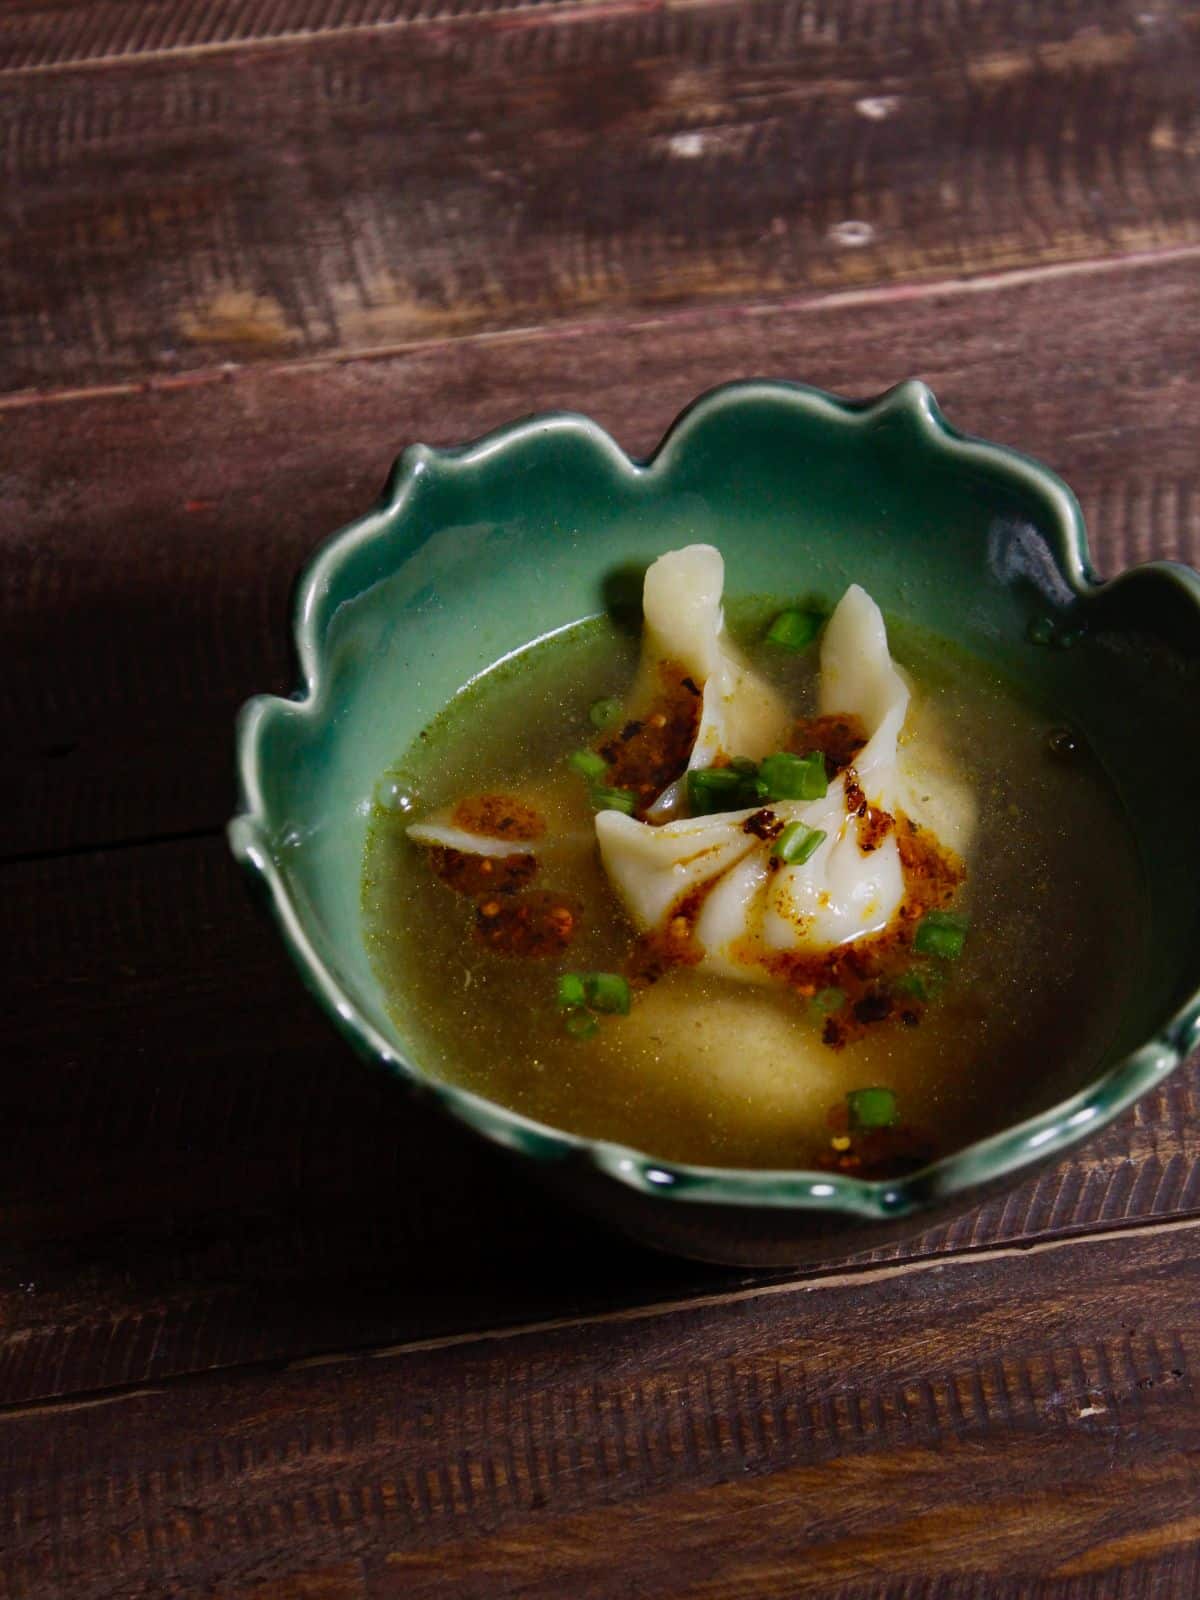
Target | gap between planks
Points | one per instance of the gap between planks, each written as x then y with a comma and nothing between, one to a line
835,1280
533,333
104,847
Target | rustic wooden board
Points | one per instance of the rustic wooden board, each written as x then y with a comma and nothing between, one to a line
845,1437
268,1331
351,190
145,597
149,538
205,1175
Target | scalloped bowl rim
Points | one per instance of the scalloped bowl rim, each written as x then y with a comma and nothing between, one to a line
1020,1145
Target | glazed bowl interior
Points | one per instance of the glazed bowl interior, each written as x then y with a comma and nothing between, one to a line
474,553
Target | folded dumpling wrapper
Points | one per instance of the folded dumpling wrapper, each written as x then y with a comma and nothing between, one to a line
449,837
552,812
683,622
842,892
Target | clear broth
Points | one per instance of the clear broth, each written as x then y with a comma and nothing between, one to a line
712,1071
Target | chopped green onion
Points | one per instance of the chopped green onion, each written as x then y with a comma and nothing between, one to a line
605,714
614,800
580,1024
872,1108
922,983
794,630
712,789
796,843
571,991
940,933
789,777
744,765
587,762
827,1001
608,991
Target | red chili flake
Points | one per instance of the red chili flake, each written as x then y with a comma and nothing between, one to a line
672,945
874,826
834,1033
498,816
533,923
474,875
763,825
875,1006
838,738
651,752
856,800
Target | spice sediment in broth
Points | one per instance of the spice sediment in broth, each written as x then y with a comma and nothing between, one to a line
707,1069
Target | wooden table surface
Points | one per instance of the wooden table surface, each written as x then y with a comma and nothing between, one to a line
266,1332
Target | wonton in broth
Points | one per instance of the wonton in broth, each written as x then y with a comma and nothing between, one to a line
779,903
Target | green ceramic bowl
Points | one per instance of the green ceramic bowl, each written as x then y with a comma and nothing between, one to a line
473,552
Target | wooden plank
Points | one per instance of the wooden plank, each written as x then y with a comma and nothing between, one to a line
150,538
201,1173
36,36
205,1176
843,1438
315,195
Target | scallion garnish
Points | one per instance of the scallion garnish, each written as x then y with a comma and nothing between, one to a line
743,782
796,843
580,1024
827,1001
614,800
794,630
582,994
712,789
605,714
607,991
940,933
592,766
572,991
911,983
872,1108
789,777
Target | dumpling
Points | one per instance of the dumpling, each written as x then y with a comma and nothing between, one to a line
858,676
739,1061
653,869
500,825
930,788
907,752
494,825
446,836
742,906
684,626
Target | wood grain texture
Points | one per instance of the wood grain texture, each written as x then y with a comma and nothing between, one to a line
269,1330
40,37
205,1176
150,538
316,195
843,1437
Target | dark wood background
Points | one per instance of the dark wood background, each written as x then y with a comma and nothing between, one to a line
266,1332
